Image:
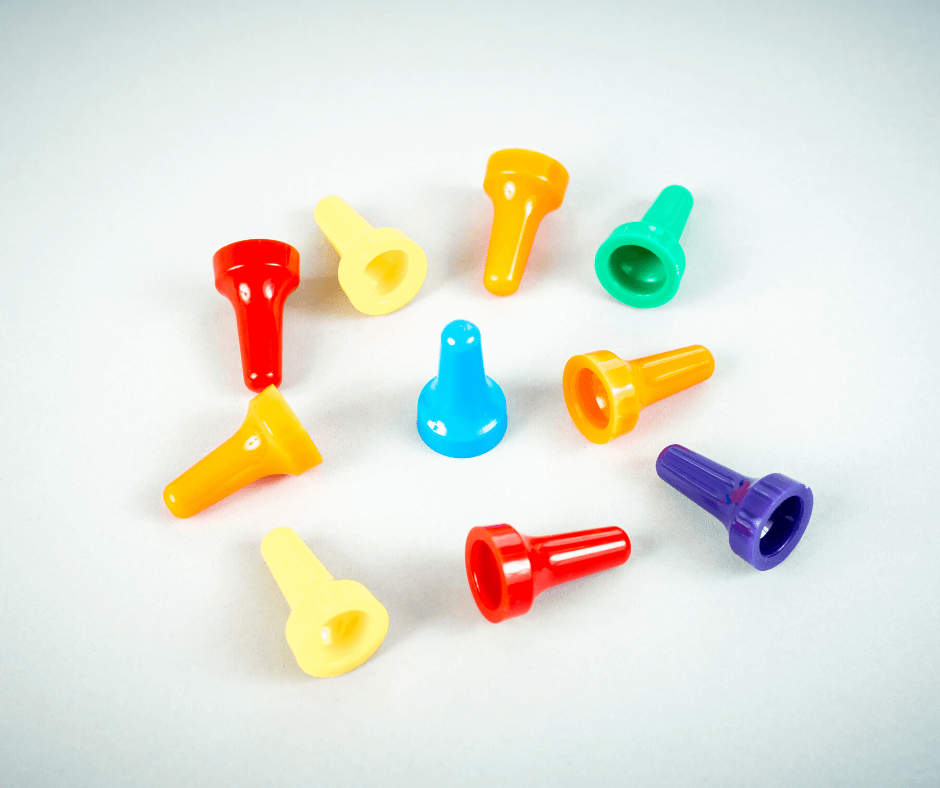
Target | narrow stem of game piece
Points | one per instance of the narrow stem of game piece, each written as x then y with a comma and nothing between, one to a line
234,464
664,374
260,322
294,566
461,381
705,482
563,557
340,223
515,224
670,211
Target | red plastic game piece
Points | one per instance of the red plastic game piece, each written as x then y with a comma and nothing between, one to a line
257,276
507,570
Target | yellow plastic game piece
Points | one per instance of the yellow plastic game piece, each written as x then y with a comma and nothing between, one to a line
380,269
270,440
334,625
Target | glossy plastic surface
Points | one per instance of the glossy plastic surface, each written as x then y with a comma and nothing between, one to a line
605,395
507,570
257,276
524,186
380,269
271,440
334,625
461,412
765,518
641,263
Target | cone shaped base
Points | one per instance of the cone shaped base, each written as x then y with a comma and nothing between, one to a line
771,521
336,628
640,267
454,434
382,271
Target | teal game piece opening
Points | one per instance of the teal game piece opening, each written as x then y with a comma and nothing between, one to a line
638,269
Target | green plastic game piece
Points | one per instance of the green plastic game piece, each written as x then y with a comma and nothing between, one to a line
641,263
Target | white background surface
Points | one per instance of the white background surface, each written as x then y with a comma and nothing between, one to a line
136,139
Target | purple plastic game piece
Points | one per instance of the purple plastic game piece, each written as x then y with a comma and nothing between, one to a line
765,517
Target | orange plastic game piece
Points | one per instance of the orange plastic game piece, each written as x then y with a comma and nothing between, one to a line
605,395
271,440
524,186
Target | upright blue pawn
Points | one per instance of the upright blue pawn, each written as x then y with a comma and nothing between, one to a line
461,412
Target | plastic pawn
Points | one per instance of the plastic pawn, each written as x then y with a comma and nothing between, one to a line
380,269
605,395
765,518
641,263
271,440
524,186
257,276
334,625
507,570
461,412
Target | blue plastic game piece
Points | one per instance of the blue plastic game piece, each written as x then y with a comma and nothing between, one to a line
461,412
